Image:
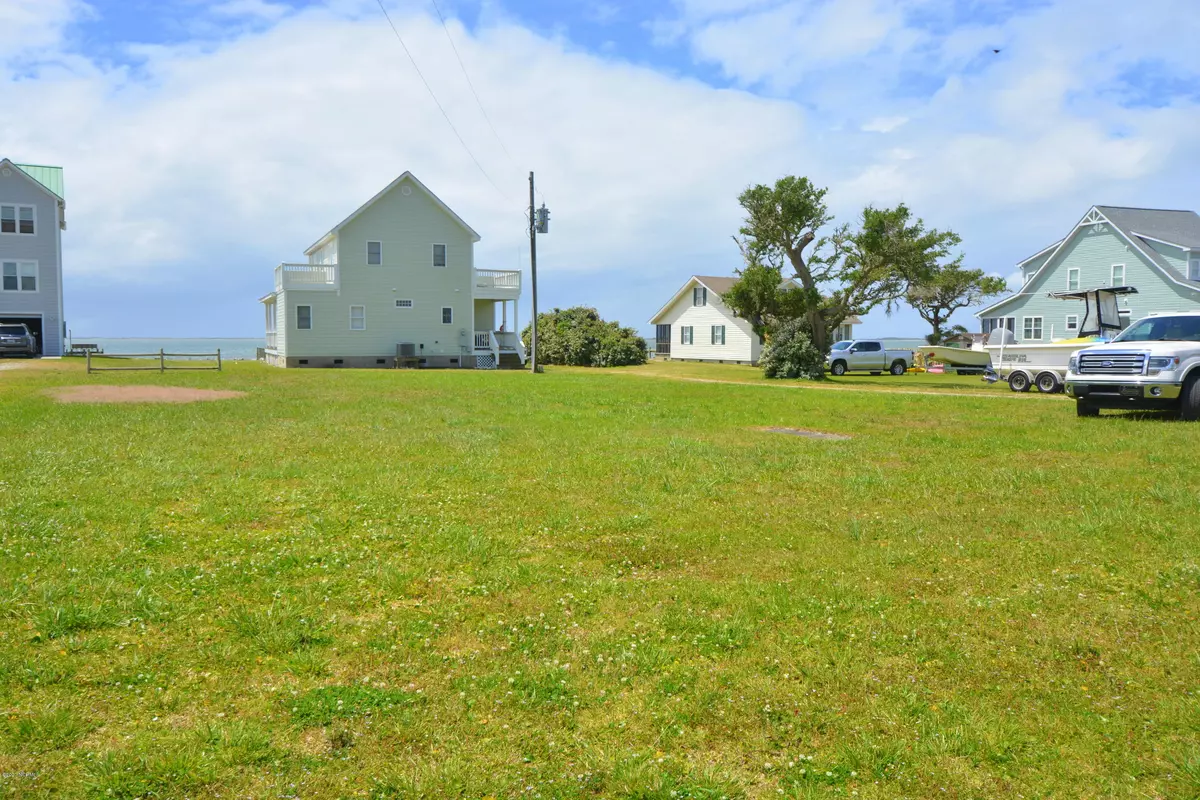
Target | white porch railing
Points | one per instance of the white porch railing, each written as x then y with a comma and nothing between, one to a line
312,277
510,342
500,284
270,340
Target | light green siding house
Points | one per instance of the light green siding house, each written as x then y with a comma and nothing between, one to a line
1155,251
394,283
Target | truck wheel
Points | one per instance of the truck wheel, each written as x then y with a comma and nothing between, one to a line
1189,400
1047,383
1085,409
898,368
1018,382
838,368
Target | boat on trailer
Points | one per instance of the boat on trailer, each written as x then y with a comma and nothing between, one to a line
957,358
1045,365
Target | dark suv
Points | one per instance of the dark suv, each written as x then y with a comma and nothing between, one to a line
16,340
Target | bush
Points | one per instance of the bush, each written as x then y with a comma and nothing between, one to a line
790,353
578,337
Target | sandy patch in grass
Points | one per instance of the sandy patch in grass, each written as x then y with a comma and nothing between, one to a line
139,394
807,434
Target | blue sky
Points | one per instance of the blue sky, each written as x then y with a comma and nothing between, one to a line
204,142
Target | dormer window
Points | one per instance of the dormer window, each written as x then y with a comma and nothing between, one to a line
699,296
1194,269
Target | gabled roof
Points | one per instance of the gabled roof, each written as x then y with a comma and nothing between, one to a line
1128,223
49,178
406,176
719,285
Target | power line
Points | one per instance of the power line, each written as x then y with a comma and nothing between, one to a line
437,102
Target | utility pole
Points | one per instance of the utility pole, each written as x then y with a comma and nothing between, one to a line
539,222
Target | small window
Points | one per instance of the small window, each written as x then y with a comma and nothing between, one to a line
447,315
1194,269
439,255
358,318
1032,328
304,318
404,304
685,334
1118,275
17,219
374,253
1072,322
1073,279
19,276
718,334
699,296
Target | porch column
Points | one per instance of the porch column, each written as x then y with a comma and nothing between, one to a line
504,315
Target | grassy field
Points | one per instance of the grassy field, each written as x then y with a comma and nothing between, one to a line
590,584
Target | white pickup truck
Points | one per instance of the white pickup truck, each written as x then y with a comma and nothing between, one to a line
867,355
1152,364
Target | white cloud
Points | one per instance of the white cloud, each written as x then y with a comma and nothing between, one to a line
884,124
257,9
27,25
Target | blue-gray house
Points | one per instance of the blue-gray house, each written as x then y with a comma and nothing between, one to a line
32,218
1155,251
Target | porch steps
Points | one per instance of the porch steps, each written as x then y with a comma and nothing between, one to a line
510,361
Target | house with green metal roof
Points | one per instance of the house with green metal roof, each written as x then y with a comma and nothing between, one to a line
32,219
1156,251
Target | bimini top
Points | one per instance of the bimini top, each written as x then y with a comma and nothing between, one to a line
1084,294
1101,316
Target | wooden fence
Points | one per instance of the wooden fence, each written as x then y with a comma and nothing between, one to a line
160,366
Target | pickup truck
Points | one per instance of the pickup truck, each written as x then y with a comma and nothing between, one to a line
867,355
1152,364
15,339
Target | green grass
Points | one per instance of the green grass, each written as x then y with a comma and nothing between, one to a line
399,584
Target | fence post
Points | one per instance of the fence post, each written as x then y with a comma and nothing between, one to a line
162,361
89,362
218,359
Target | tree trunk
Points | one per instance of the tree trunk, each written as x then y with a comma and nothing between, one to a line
820,335
816,320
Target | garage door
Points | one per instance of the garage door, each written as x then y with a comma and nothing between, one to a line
34,324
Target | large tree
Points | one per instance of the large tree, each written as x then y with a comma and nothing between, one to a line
941,289
846,273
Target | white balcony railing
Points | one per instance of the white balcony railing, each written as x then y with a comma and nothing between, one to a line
270,340
500,284
312,277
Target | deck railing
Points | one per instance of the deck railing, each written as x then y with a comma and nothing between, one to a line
306,276
506,280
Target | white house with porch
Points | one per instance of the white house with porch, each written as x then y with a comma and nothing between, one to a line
394,284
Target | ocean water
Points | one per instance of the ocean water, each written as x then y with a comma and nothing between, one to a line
231,349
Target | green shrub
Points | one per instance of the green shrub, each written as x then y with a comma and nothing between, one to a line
790,353
578,337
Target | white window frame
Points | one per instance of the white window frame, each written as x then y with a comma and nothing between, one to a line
1072,322
310,317
686,333
713,335
444,310
1026,326
1112,275
16,207
1071,288
23,267
1194,268
380,262
701,293
404,304
445,255
364,318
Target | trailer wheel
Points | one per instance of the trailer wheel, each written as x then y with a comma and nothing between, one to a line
1018,382
1085,409
838,368
898,367
1189,400
1047,382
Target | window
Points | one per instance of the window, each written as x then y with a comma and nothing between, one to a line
1073,279
439,255
19,276
992,323
17,219
374,253
404,304
304,318
685,334
1072,322
1194,269
358,318
718,334
1031,327
868,347
699,296
1118,275
447,315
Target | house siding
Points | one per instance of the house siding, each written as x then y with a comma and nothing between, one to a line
1174,256
408,226
741,343
1093,253
44,247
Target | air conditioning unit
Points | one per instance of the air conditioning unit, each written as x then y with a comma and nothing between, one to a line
406,350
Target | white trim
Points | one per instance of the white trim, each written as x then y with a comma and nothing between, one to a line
688,332
444,310
16,207
408,307
1041,328
675,298
407,175
445,255
364,318
703,297
310,316
1193,268
19,263
712,335
1067,322
369,243
1159,241
1038,253
1077,272
1112,275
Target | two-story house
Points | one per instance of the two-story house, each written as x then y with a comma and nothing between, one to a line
695,325
32,219
395,280
1155,251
